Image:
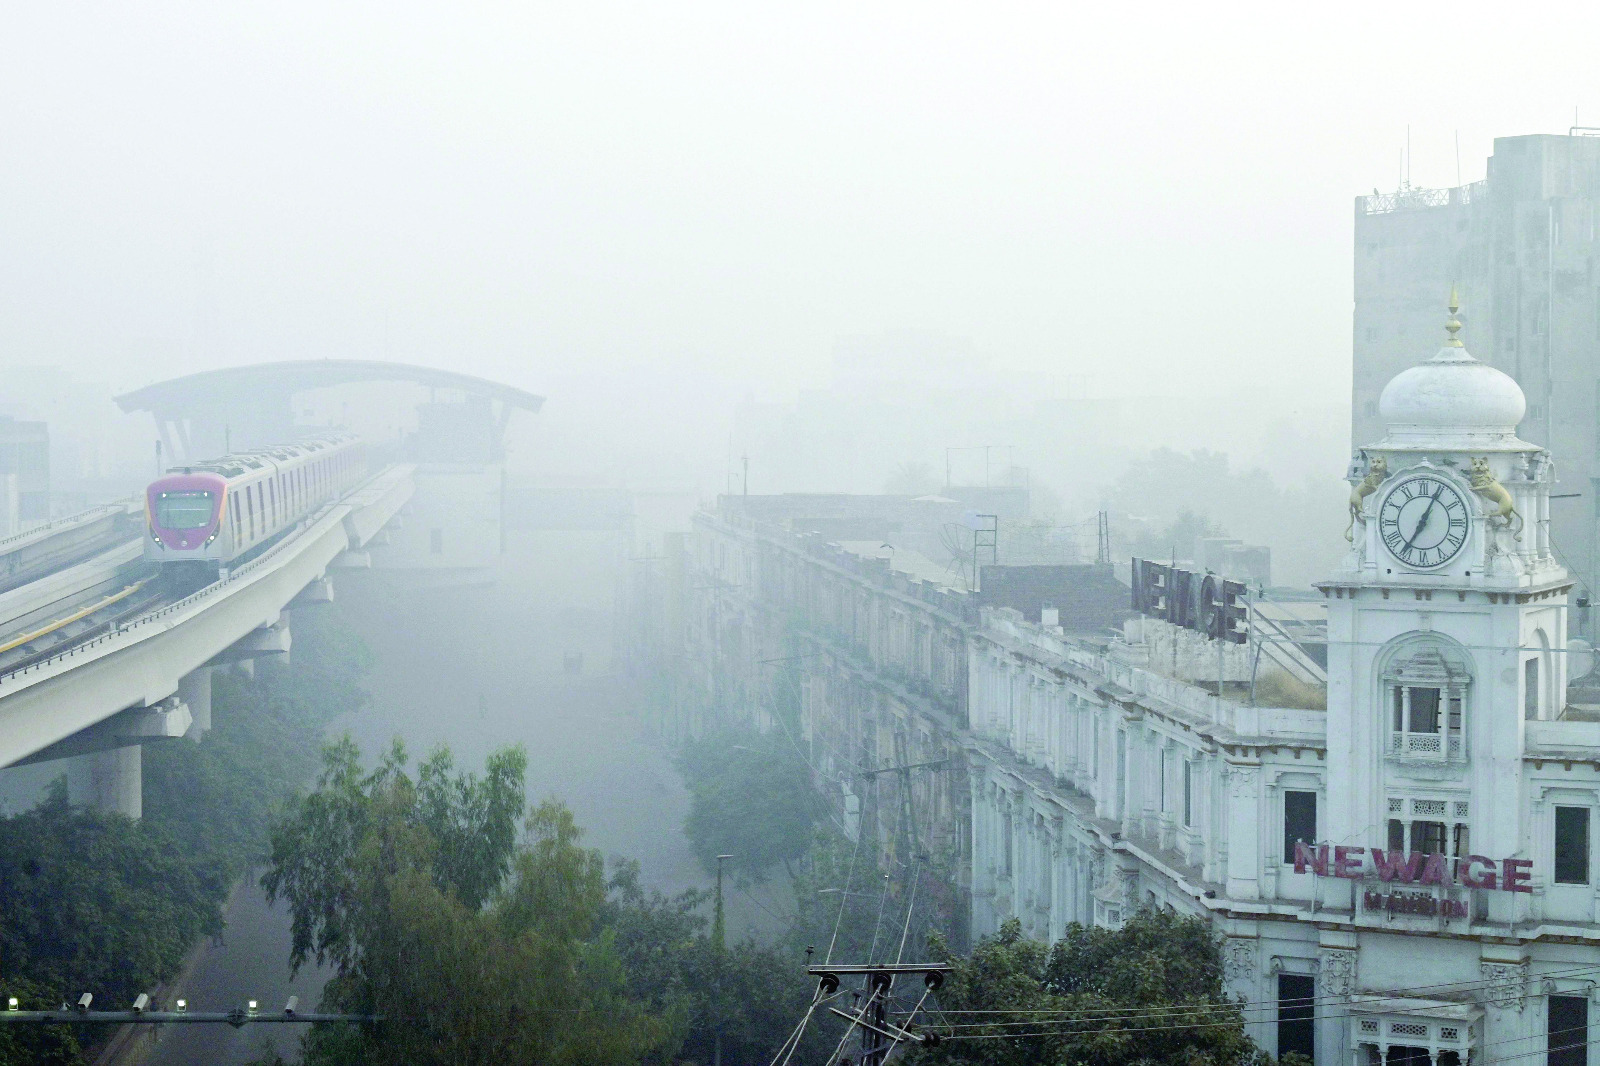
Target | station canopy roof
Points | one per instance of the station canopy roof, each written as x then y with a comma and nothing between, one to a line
196,392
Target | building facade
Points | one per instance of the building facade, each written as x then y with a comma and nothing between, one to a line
858,656
1402,874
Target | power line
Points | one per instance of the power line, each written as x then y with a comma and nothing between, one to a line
1329,1016
1263,1004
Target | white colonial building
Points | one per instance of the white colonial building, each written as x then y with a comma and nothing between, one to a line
1402,864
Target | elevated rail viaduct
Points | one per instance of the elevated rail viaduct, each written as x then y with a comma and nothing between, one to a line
101,654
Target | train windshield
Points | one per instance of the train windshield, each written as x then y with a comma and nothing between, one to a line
183,510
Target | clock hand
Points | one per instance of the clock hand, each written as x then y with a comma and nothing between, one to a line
1423,521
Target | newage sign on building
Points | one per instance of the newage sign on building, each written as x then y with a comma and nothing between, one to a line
1399,860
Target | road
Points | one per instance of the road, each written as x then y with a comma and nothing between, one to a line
476,668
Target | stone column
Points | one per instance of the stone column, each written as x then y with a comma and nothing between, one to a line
194,689
116,780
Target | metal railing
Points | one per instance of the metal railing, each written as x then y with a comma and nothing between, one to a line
1412,199
213,589
1425,745
56,525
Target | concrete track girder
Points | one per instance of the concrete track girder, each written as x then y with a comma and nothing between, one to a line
166,720
274,639
319,591
144,661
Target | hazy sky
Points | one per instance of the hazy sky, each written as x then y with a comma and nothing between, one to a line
640,208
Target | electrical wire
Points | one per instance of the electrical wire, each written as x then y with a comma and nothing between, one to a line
844,897
882,898
1264,1004
793,1043
911,903
1326,1016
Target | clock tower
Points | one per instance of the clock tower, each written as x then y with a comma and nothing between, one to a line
1446,621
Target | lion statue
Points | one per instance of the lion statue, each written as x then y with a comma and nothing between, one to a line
1377,470
1485,485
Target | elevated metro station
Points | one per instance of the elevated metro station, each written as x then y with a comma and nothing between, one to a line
103,651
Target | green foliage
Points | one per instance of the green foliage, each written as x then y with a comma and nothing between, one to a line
843,899
748,997
93,902
1303,524
1007,999
473,947
912,479
750,796
36,1045
1178,540
466,828
218,797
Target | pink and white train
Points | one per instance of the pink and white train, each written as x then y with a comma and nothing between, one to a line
221,509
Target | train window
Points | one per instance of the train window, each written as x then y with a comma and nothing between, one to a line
183,510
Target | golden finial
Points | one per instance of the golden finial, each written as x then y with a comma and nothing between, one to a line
1453,326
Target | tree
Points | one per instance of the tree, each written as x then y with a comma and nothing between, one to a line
912,479
1179,540
1148,992
750,796
471,945
1302,524
95,902
745,998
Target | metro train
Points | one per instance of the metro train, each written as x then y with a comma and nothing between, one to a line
220,510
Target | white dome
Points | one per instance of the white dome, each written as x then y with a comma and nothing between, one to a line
1452,397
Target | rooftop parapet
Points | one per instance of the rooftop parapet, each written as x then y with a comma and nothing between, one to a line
1414,199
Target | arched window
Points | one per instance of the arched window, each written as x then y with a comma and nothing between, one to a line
1426,692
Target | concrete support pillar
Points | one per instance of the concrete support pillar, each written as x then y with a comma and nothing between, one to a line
194,689
116,780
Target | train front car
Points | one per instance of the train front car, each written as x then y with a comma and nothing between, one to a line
185,513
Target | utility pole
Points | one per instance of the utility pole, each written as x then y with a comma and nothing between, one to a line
719,944
718,933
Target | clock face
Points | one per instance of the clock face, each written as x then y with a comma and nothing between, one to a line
1423,521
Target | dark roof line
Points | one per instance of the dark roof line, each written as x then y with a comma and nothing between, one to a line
295,375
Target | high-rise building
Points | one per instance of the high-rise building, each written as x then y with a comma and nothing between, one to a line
1522,248
24,475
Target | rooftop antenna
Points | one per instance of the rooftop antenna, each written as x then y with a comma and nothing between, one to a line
1458,158
1408,155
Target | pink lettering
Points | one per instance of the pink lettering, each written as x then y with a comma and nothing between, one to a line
1518,877
1347,862
1434,871
1392,867
1473,879
1318,861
